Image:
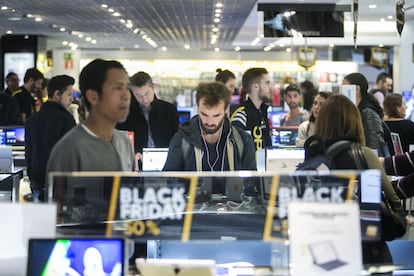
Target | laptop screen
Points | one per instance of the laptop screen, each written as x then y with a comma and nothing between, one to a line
68,256
284,136
153,159
12,136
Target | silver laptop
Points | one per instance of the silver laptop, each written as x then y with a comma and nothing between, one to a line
6,159
153,159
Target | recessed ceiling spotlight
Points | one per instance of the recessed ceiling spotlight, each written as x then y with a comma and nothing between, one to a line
214,36
187,46
163,48
218,11
38,19
372,6
9,32
267,48
216,20
105,6
381,45
288,50
88,38
122,20
129,25
216,49
93,41
111,10
219,5
217,15
62,29
64,43
80,35
331,45
237,49
3,8
215,29
390,17
116,14
135,31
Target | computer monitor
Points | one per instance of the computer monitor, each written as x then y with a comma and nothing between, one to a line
76,256
284,136
184,116
12,135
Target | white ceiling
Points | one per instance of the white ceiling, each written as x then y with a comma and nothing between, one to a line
176,23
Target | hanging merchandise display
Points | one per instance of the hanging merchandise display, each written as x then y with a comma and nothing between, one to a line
355,9
400,18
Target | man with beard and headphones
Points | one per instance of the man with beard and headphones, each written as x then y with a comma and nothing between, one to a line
208,142
252,115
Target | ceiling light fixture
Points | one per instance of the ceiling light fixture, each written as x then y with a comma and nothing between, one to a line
215,29
65,43
216,20
105,6
186,46
62,29
3,8
390,17
237,48
163,48
372,6
216,49
218,10
38,19
116,14
9,32
219,5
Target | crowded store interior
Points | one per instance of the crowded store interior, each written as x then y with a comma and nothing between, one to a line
220,137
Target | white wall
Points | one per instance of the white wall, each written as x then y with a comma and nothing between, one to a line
403,60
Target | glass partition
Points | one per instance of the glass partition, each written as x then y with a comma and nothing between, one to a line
204,206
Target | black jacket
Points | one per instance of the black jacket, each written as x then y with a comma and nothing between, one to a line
42,131
25,100
9,111
163,121
190,130
248,117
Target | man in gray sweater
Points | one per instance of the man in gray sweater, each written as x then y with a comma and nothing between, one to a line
96,145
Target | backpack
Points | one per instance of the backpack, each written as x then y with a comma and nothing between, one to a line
319,158
185,145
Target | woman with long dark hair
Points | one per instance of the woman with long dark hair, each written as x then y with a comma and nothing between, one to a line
371,114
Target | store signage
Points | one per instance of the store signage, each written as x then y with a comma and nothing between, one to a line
379,57
307,57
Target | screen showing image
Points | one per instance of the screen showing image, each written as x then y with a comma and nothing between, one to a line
18,63
75,257
12,136
303,23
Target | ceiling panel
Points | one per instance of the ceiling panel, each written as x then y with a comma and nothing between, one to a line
168,23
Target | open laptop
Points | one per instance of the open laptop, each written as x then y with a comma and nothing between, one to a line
75,256
175,267
153,159
284,136
6,159
325,256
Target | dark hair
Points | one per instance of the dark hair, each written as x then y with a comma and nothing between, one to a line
291,87
224,75
338,118
45,83
10,75
59,83
140,79
94,74
251,76
212,93
383,76
308,94
32,73
391,103
361,81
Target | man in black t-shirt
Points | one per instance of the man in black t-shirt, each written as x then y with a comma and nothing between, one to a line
33,79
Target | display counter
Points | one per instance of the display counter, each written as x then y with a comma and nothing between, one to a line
227,217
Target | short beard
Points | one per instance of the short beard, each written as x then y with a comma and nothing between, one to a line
212,131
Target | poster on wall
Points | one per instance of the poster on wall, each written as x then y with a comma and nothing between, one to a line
18,63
